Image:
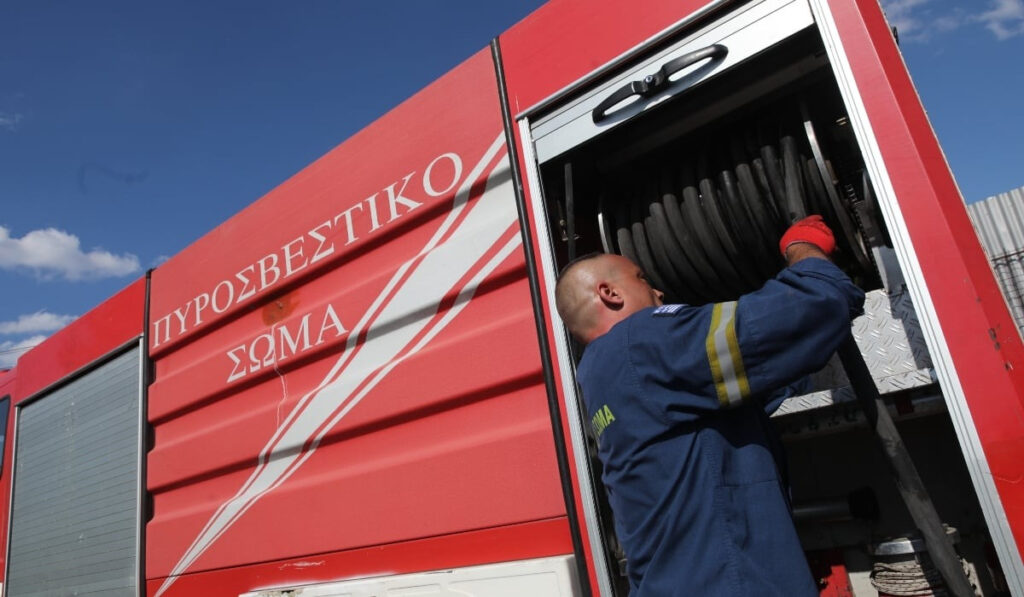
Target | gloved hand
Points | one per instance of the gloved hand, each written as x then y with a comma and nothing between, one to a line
811,229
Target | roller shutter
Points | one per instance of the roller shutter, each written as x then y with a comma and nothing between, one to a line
75,521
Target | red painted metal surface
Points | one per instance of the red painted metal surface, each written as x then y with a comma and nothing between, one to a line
108,326
7,382
830,574
529,540
984,344
565,40
374,378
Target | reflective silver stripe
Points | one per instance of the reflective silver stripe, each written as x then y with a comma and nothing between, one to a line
730,370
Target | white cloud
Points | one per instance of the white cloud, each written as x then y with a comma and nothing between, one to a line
50,252
1005,18
905,15
920,20
40,321
9,121
10,350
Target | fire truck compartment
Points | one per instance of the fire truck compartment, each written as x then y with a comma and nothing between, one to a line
691,160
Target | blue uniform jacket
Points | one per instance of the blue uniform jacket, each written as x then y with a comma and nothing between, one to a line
676,397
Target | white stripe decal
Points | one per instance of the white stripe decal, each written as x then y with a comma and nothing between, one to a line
423,280
725,361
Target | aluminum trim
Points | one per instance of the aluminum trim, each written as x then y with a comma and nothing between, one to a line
10,493
140,467
627,56
931,328
579,447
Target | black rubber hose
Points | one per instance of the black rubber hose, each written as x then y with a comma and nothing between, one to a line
761,176
714,249
643,253
908,481
666,266
748,233
758,206
690,288
792,174
710,201
704,275
623,234
819,197
773,170
843,224
624,239
714,289
823,205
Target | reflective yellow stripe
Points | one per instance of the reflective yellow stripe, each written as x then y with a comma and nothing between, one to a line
716,369
737,358
724,356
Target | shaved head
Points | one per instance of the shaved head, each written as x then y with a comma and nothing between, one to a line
576,302
596,291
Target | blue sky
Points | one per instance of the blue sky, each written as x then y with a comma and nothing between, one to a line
128,130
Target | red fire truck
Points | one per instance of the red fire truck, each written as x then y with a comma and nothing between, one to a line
357,385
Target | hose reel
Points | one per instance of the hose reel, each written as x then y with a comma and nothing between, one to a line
704,220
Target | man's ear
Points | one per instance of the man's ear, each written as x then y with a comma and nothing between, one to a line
610,295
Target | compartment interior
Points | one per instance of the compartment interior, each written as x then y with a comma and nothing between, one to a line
697,191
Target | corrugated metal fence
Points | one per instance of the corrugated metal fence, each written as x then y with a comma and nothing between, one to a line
999,221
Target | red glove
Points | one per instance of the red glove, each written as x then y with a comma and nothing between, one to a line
811,229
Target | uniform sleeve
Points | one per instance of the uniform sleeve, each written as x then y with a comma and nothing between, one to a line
785,331
684,360
799,388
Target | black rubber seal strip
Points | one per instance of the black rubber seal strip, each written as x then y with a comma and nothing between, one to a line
561,452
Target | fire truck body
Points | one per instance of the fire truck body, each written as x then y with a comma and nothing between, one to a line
357,385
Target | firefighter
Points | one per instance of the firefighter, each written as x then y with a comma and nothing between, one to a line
678,398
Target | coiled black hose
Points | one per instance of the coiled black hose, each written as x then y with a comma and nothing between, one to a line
704,224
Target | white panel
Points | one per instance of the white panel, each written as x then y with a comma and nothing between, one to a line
544,577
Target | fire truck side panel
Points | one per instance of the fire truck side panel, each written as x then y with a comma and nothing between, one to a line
374,378
978,348
110,325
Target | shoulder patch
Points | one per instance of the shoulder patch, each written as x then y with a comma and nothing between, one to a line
666,310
